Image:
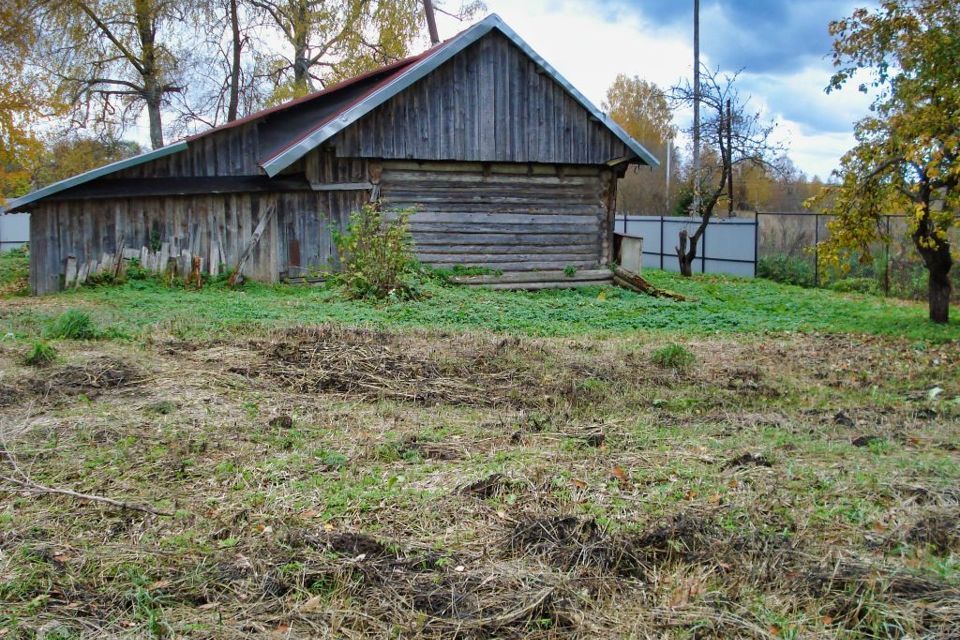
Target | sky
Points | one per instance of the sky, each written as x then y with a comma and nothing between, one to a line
780,47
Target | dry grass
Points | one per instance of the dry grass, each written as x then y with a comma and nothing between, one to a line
344,483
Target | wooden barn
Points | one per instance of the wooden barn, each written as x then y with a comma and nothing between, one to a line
507,165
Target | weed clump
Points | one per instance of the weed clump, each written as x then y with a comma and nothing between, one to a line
376,255
673,356
40,354
73,325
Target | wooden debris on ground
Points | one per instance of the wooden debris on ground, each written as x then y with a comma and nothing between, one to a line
634,282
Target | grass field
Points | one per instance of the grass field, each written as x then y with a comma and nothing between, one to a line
764,462
718,305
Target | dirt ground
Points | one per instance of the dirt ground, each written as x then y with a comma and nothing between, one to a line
347,483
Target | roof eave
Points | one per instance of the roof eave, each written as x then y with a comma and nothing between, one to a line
19,203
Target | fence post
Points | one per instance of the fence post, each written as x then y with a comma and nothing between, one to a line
886,263
816,250
756,242
703,249
661,243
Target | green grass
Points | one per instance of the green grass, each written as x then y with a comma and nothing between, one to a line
14,272
673,356
719,304
72,325
40,354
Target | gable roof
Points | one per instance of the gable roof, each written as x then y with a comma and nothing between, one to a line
344,104
427,63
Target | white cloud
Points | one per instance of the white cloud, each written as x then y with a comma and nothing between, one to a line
590,48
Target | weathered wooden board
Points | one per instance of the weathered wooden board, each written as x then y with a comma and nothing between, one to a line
78,238
539,276
488,103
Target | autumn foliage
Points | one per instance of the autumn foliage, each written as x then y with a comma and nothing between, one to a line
906,157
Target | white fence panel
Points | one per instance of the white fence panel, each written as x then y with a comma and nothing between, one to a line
728,246
14,230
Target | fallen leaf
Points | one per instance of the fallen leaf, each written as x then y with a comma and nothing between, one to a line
579,484
313,604
621,475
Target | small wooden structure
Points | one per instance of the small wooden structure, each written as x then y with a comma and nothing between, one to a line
507,165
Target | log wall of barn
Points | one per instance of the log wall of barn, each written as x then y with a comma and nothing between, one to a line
489,103
503,216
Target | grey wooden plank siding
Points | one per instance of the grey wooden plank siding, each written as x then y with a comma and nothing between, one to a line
487,104
230,152
216,227
505,216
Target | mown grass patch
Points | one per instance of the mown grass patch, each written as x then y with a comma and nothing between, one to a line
316,485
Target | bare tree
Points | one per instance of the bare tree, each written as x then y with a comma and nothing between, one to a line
115,58
730,136
228,80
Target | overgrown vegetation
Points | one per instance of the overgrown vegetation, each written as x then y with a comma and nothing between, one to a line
72,324
376,255
40,354
673,356
717,304
15,272
786,269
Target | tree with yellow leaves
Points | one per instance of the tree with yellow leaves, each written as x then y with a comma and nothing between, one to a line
23,99
907,156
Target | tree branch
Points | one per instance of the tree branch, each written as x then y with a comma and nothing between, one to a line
114,39
24,482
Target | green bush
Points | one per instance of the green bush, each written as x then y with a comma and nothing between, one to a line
376,255
856,285
673,356
41,353
135,270
787,270
72,325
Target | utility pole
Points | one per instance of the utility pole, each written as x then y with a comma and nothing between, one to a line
666,196
696,107
730,212
431,22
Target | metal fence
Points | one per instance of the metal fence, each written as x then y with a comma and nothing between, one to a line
788,250
728,245
14,230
